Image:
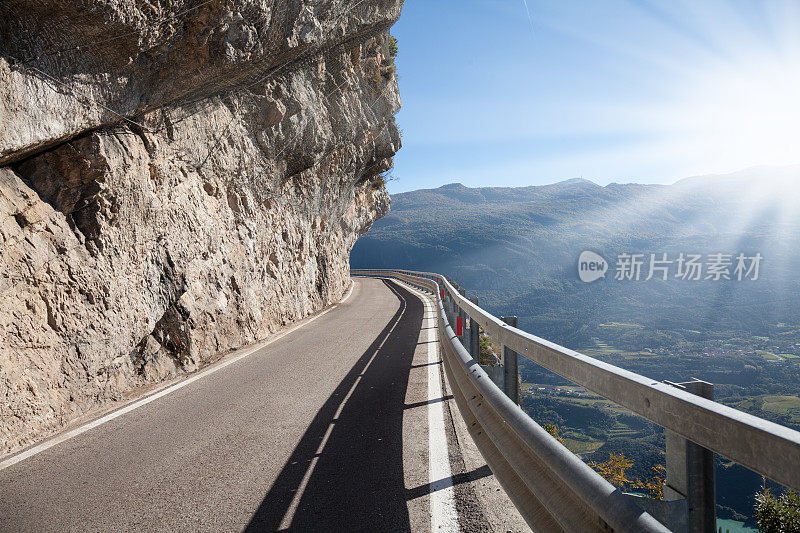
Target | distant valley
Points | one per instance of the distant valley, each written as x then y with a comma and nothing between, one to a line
517,249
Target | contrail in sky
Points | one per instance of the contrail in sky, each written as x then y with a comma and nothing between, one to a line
528,11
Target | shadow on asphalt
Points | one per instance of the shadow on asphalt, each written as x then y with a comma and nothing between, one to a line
426,364
464,477
428,402
357,483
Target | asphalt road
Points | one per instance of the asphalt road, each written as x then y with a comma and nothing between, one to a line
322,430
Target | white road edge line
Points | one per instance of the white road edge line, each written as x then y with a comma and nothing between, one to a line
14,459
444,516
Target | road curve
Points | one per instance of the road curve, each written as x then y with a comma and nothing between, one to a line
324,429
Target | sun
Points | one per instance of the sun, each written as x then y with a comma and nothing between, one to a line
746,114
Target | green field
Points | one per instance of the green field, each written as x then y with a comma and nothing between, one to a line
575,437
780,404
769,356
598,402
602,348
577,446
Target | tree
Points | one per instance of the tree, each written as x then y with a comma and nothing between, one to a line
614,469
778,514
654,487
553,430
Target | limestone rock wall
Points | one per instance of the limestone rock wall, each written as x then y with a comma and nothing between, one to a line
220,208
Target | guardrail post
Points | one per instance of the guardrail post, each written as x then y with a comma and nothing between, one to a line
474,335
463,317
453,300
690,470
447,300
452,308
510,366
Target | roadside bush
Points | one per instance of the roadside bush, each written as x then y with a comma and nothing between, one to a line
553,430
778,514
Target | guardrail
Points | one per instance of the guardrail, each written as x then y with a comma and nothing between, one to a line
553,489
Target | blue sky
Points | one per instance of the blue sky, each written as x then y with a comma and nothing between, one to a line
611,91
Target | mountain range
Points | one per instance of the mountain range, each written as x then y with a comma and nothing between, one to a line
517,248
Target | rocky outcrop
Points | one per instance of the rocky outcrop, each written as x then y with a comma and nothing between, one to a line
189,182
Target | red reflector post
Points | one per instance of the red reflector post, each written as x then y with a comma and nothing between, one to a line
459,325
442,296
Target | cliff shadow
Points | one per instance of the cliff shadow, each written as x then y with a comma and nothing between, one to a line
356,481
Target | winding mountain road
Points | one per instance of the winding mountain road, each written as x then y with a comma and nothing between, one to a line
338,425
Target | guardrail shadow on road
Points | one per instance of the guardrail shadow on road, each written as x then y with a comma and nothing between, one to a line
464,477
553,488
353,480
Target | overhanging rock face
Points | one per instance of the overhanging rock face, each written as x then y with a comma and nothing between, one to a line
189,181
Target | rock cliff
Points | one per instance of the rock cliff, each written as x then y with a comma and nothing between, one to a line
178,178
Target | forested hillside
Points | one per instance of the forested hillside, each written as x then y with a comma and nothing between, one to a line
517,249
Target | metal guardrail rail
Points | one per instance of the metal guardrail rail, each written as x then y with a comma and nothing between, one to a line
552,488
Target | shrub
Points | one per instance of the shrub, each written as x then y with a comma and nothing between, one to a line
374,74
614,470
778,514
553,430
654,487
487,351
